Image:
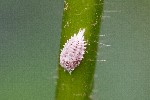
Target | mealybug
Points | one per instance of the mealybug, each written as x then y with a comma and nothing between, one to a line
73,51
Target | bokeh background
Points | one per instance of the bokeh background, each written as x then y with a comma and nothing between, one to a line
29,46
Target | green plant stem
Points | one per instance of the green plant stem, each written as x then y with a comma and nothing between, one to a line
79,14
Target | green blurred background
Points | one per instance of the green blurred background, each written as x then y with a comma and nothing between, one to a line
29,45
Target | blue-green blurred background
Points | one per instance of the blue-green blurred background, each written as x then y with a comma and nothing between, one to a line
29,45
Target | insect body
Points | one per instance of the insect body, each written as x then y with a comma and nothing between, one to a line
73,51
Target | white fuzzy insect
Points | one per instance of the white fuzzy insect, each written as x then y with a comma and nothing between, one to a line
73,51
